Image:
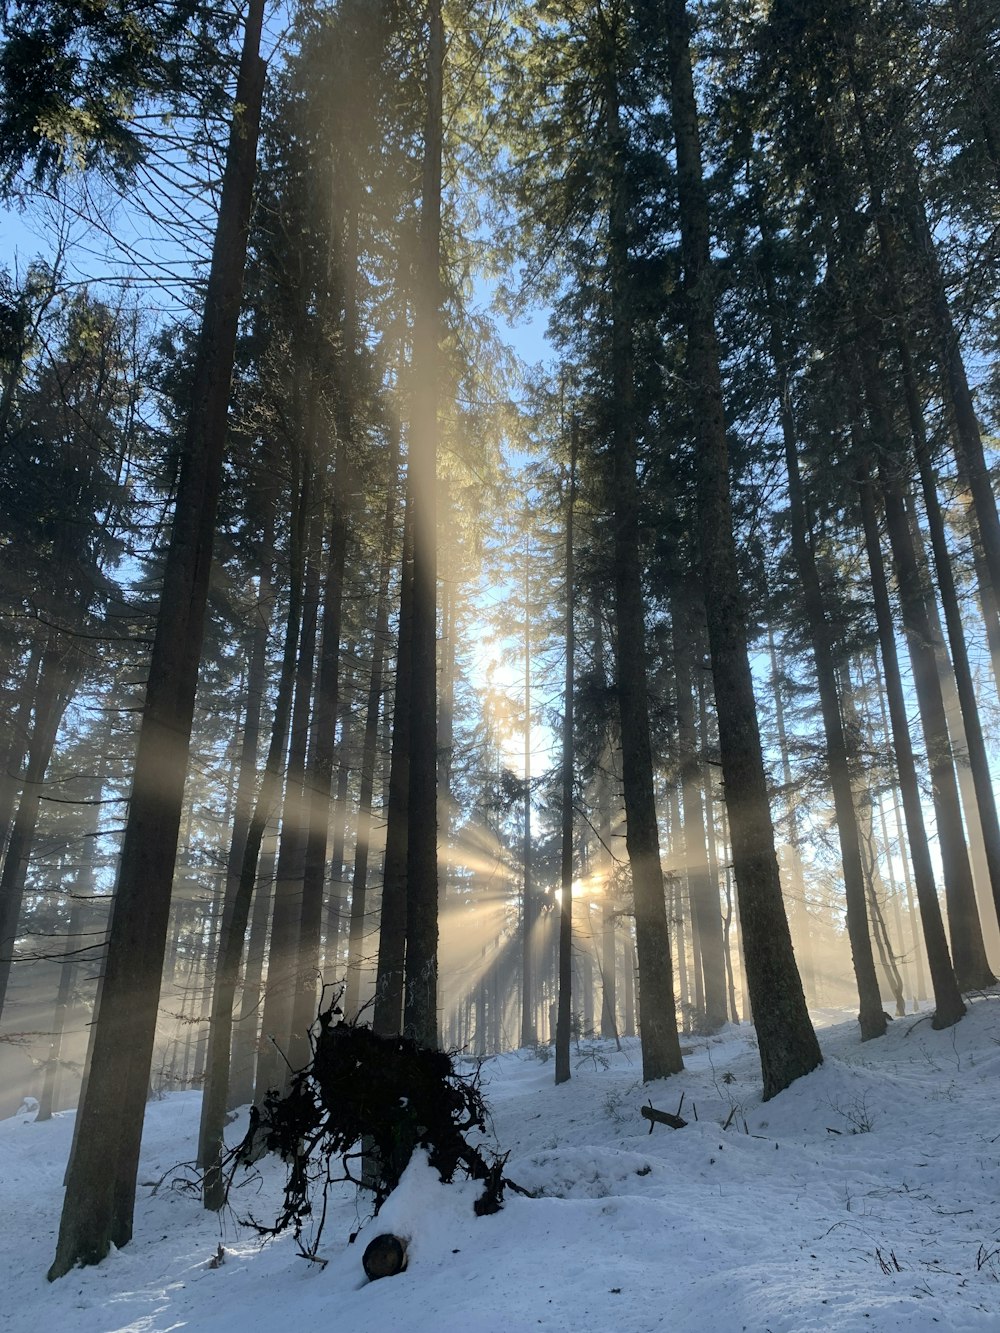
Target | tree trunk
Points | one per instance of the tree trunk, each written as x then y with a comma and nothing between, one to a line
336,907
369,750
891,891
949,1007
243,1049
319,774
821,637
529,944
981,815
920,991
978,863
246,1037
244,1046
703,891
846,260
565,1002
609,950
727,926
983,807
955,380
988,606
235,908
629,970
448,654
58,673
968,951
863,802
800,909
661,1052
788,1045
906,960
273,1061
83,888
420,998
17,740
388,1015
100,1195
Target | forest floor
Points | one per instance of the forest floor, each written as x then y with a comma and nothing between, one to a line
864,1197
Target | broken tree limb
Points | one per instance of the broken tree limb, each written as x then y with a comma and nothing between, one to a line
654,1116
519,1189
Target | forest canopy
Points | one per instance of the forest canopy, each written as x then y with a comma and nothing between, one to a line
636,690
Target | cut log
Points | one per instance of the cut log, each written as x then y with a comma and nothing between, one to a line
654,1116
385,1256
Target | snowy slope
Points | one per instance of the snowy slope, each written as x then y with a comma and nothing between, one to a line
775,1223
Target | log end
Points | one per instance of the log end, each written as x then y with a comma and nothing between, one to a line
385,1256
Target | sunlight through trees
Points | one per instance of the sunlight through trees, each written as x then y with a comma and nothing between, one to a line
347,657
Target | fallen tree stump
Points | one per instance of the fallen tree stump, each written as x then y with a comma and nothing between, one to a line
385,1256
656,1117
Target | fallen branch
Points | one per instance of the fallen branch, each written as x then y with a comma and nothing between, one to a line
654,1116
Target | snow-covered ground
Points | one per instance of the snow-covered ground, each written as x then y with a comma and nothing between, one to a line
775,1223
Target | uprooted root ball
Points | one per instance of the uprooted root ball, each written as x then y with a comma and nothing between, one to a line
370,1100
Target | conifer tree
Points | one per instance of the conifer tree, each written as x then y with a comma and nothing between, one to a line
98,1207
788,1046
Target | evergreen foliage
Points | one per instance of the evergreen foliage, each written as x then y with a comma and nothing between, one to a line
76,79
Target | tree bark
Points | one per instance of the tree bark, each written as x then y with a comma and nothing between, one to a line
821,637
984,803
800,909
244,1045
529,943
273,1060
788,1045
83,888
319,773
246,1037
703,892
388,1015
845,261
609,949
420,998
955,379
917,956
864,800
968,951
981,815
661,1052
57,676
98,1207
17,740
949,1007
359,883
335,911
235,907
565,1001
988,606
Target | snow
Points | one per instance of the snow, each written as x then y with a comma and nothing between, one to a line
775,1223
